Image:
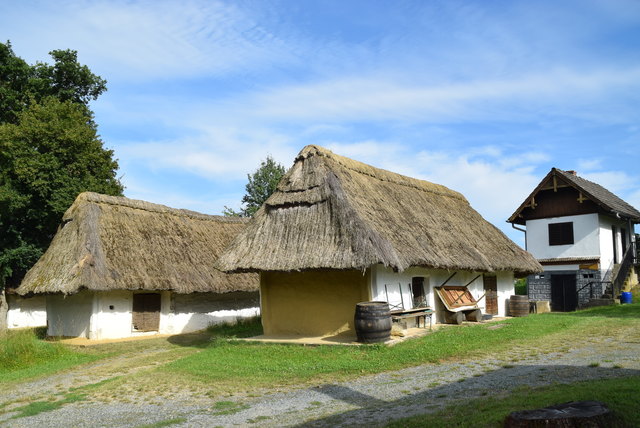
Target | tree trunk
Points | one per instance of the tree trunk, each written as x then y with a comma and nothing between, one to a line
4,308
574,414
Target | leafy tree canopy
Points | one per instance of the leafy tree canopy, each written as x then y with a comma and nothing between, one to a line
49,153
21,83
262,183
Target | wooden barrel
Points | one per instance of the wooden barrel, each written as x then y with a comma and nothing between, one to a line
372,322
519,306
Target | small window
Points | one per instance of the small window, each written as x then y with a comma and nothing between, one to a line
561,233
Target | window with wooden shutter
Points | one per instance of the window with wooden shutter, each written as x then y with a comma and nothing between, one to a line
146,311
561,233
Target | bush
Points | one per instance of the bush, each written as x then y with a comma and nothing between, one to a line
521,286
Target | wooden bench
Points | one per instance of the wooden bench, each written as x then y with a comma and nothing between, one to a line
416,313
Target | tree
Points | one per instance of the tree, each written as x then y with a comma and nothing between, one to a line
262,183
49,152
22,84
50,156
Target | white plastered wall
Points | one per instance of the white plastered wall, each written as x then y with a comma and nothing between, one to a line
606,240
112,317
381,276
197,311
505,281
586,237
69,316
26,311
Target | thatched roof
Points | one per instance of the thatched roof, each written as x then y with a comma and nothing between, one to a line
333,212
115,243
606,201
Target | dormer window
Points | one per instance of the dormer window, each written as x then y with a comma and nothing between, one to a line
561,233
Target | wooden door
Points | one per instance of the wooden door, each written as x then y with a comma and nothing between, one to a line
564,297
146,311
491,294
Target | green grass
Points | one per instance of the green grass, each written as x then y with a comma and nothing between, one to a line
228,407
37,407
620,395
165,423
23,354
246,364
243,328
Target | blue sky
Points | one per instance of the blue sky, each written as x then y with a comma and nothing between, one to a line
481,96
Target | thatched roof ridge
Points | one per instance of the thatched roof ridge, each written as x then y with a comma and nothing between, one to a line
333,212
378,173
114,243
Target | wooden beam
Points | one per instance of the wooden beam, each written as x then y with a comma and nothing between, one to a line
581,197
555,184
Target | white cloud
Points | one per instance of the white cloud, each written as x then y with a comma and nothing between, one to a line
222,154
144,39
585,165
385,98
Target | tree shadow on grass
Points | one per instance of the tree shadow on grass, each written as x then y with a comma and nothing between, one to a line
223,331
471,396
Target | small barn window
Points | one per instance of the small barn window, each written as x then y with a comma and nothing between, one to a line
561,233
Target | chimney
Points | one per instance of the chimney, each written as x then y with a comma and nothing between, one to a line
572,172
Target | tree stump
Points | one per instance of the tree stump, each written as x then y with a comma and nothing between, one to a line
453,317
574,414
474,315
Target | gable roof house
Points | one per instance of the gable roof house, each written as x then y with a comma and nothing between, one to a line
119,267
337,232
582,234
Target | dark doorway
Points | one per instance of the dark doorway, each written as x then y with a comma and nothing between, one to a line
417,291
564,296
146,311
491,294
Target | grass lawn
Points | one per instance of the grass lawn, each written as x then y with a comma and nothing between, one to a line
620,395
24,354
236,365
214,364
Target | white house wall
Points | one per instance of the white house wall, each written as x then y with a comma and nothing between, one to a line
585,234
606,240
197,311
381,276
69,315
26,311
505,281
108,315
111,317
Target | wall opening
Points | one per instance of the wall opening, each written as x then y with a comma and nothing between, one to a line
146,311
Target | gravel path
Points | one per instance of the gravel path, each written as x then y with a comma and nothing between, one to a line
370,400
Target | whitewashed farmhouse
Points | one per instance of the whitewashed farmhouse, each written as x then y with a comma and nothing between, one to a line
337,232
582,234
119,267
